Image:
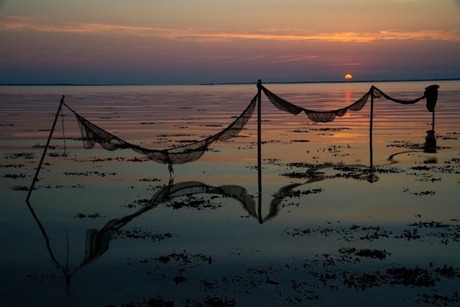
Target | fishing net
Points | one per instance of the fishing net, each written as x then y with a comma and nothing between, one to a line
282,104
330,115
378,93
324,116
431,94
359,104
92,134
235,128
316,116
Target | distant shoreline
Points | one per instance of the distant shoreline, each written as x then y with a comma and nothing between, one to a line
226,83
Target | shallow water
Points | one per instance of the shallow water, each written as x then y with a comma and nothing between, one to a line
321,233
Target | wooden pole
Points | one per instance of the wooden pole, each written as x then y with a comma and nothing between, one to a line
46,148
371,123
259,148
432,121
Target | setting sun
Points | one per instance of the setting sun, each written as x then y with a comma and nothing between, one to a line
348,77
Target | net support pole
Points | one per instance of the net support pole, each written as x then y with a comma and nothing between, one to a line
259,148
371,123
46,148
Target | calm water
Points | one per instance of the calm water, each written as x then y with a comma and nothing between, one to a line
326,231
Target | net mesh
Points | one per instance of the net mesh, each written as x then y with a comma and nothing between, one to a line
316,116
282,104
378,93
92,134
324,116
330,115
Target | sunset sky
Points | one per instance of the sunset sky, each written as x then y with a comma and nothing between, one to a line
204,41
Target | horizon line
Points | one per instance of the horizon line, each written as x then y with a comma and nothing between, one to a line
229,83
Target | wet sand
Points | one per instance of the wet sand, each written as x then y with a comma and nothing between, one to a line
326,231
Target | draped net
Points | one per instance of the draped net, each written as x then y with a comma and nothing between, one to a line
378,93
316,116
92,134
330,115
282,104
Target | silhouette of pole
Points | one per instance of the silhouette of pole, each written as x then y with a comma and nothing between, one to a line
432,121
46,148
371,123
259,148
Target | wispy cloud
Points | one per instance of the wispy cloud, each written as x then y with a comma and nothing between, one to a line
295,58
19,23
351,64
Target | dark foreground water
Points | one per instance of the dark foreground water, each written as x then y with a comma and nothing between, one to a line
113,228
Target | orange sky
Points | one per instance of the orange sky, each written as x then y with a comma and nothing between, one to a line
190,42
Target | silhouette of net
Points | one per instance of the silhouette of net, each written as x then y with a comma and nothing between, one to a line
324,116
328,116
378,93
282,104
316,116
92,134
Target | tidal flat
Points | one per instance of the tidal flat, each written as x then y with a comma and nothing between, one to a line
336,219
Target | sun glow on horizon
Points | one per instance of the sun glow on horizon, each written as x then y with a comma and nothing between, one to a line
348,77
